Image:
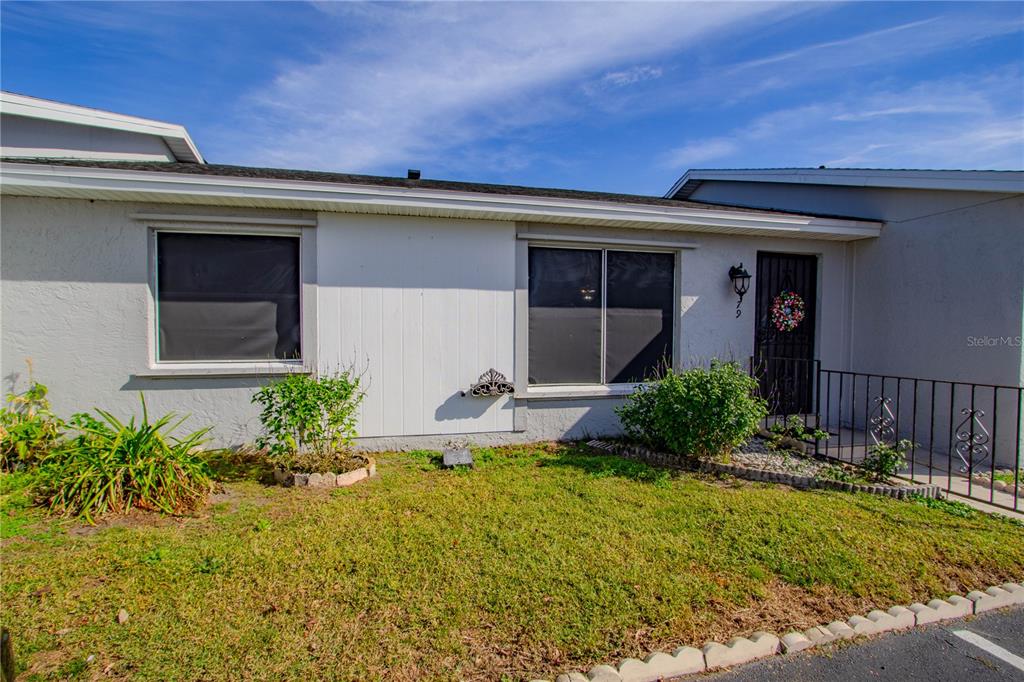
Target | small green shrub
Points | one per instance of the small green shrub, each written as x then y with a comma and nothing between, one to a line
29,431
700,412
951,507
884,459
794,427
309,421
113,466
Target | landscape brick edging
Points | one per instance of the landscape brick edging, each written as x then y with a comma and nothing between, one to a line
639,453
985,478
739,650
327,480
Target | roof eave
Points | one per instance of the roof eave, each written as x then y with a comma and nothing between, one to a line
123,185
1010,182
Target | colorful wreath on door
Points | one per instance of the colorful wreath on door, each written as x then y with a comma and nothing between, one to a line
787,311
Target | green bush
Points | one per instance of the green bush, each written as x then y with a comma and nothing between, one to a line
700,412
884,460
310,421
29,431
111,466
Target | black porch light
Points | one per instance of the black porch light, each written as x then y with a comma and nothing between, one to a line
740,283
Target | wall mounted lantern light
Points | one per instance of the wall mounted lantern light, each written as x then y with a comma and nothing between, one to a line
740,283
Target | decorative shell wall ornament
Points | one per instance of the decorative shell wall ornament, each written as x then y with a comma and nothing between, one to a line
787,311
491,383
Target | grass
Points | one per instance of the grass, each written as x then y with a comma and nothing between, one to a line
542,558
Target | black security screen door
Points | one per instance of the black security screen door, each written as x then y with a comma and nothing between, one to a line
786,285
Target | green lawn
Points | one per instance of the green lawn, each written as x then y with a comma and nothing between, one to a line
542,559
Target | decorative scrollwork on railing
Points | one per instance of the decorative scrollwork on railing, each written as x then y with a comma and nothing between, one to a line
882,421
491,383
972,439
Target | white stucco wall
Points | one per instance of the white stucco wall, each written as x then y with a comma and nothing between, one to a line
26,137
422,305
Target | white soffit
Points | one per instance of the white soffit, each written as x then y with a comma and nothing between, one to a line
82,182
176,137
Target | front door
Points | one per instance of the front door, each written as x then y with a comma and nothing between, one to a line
786,304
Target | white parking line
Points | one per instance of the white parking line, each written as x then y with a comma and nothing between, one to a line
994,649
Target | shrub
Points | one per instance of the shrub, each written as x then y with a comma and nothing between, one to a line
701,412
884,460
112,466
795,428
310,421
28,429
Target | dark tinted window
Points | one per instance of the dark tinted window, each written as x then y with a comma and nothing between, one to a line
227,297
565,316
638,336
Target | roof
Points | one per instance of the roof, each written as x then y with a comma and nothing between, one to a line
338,192
905,178
174,136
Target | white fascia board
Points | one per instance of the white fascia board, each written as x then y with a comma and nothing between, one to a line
175,136
1011,182
126,185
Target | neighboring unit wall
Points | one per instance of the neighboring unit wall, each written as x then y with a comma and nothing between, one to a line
24,137
940,294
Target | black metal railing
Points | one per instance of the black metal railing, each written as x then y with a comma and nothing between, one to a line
956,430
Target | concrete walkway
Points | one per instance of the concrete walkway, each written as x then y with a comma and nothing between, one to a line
928,467
992,650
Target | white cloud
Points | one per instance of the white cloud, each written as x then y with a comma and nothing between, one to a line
698,152
426,79
970,121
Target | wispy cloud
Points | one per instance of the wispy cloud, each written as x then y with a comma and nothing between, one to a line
969,121
407,94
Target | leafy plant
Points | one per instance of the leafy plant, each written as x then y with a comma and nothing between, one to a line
29,431
700,412
884,459
309,420
952,507
112,466
795,428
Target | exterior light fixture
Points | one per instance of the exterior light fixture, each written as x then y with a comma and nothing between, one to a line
740,284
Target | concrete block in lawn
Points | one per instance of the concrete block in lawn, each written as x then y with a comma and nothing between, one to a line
863,626
634,670
897,618
350,477
795,641
841,630
938,610
1016,590
688,660
992,598
604,673
740,650
819,635
572,677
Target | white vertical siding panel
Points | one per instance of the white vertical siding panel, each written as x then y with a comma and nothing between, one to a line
424,306
370,359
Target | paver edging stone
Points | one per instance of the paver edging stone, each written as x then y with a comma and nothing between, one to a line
643,454
326,480
739,650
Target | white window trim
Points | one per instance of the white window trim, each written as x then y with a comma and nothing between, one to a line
299,228
522,312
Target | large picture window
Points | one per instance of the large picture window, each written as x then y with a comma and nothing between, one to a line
599,315
227,297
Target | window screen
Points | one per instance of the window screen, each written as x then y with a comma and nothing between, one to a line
638,322
227,297
565,316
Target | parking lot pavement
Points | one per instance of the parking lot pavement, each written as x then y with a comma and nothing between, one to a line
985,648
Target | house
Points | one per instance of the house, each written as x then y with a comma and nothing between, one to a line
130,264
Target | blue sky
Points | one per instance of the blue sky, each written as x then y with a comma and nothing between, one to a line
609,96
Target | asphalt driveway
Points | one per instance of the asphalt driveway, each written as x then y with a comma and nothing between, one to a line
984,648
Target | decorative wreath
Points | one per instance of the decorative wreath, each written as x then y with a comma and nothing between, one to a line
787,311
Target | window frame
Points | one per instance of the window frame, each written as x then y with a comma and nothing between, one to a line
603,388
300,230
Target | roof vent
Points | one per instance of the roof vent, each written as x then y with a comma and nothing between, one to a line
413,174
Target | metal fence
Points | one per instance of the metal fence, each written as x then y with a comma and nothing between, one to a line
965,437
